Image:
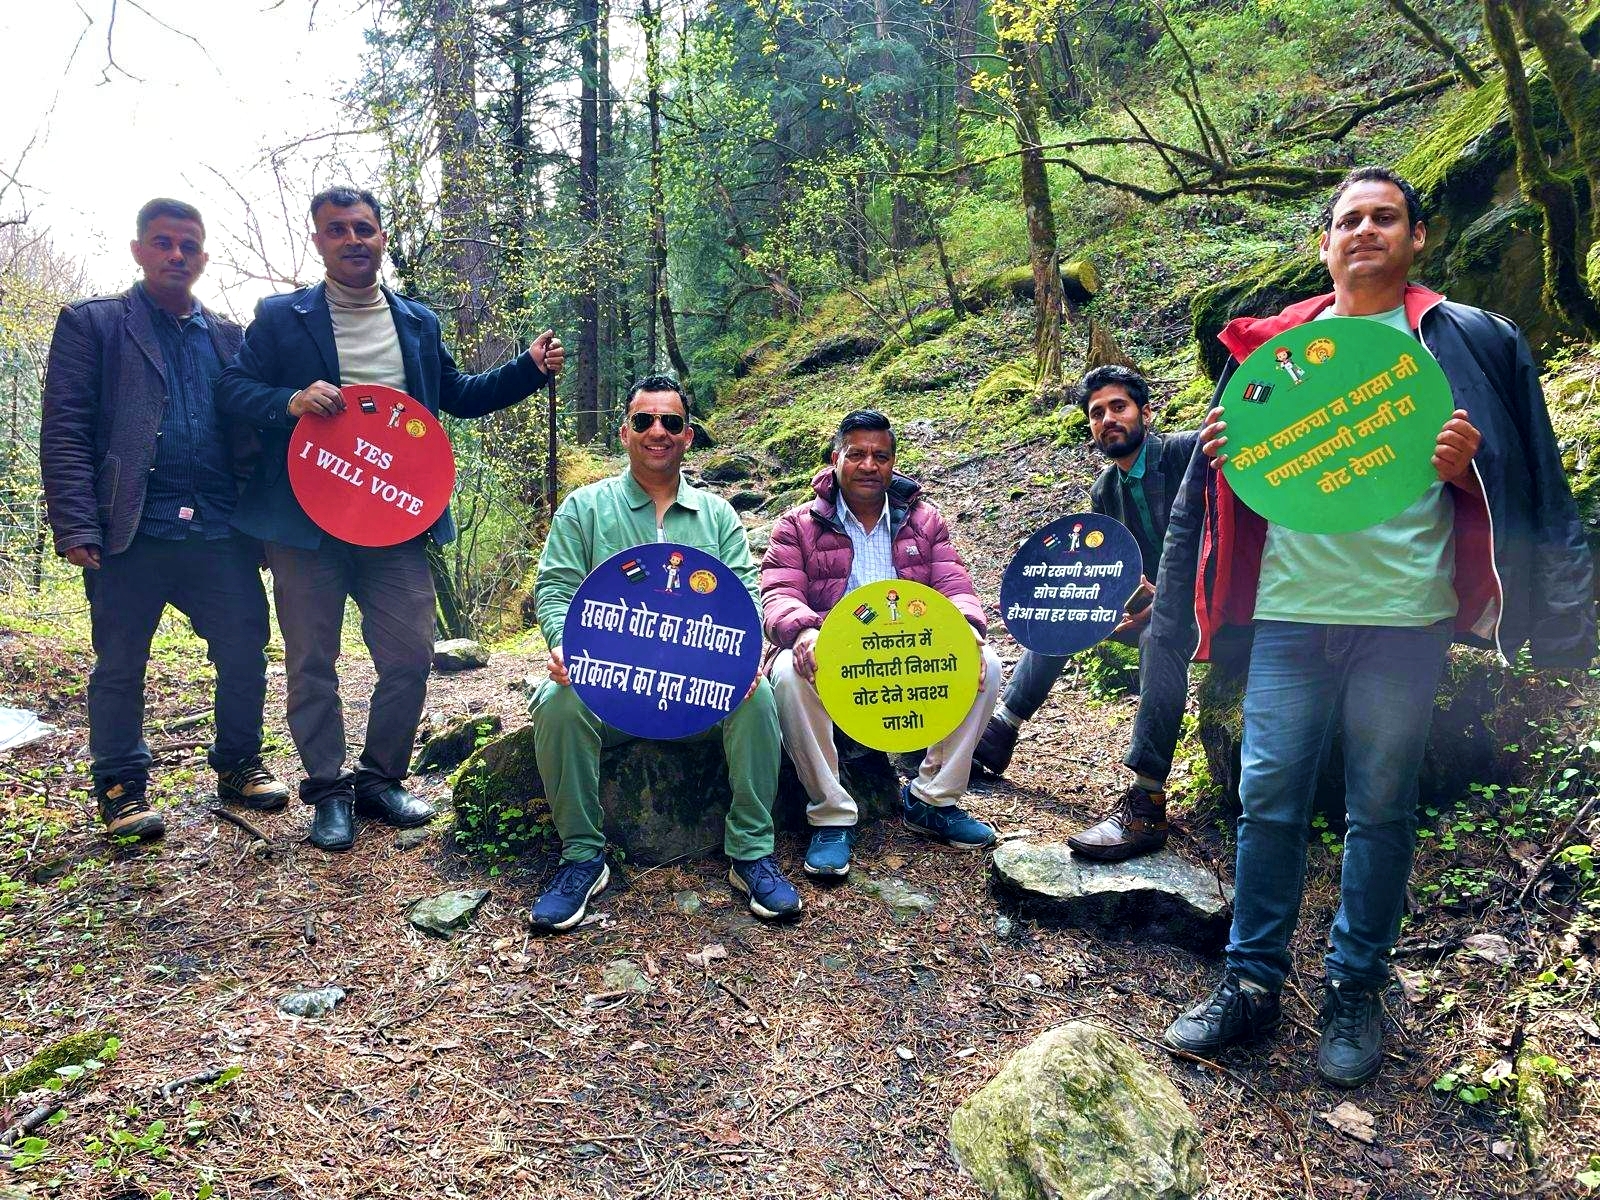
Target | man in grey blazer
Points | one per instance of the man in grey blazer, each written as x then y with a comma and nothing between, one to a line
141,475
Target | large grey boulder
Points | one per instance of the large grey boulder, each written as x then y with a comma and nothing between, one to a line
1159,896
1079,1114
661,800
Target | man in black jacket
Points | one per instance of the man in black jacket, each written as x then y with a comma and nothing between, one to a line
1136,488
140,481
1351,630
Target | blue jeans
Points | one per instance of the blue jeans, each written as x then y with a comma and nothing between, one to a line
217,586
1374,685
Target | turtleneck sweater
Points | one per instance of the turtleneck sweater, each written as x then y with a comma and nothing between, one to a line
364,335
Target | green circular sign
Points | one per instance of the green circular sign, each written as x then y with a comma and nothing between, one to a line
897,665
1332,425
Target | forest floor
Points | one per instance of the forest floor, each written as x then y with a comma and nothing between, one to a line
819,1059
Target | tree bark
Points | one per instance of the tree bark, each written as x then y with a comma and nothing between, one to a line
1564,294
585,395
462,215
1049,304
651,22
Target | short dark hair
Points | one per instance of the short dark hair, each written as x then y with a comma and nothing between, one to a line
1111,376
659,383
344,196
161,206
1414,214
869,419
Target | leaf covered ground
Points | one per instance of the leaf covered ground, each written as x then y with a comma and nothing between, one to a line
817,1060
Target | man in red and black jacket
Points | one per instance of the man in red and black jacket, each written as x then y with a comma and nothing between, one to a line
1351,630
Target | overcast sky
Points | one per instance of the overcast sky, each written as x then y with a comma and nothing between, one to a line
171,118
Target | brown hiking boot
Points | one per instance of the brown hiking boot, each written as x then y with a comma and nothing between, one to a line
251,785
125,812
1138,825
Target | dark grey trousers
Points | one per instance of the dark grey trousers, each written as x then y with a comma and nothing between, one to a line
393,592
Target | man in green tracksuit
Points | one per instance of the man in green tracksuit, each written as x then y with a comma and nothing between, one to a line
649,502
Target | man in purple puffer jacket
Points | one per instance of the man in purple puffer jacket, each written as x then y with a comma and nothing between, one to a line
867,524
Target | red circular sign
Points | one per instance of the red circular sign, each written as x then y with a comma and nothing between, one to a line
379,473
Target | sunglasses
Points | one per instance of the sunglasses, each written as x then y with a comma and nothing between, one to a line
671,422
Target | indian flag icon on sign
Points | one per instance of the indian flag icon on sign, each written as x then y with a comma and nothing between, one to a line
865,613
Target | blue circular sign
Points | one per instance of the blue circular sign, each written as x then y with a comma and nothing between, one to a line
1065,589
662,641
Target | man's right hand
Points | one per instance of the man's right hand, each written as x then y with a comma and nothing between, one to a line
320,398
87,557
1211,439
558,667
805,655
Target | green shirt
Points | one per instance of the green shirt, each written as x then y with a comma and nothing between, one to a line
616,514
1397,573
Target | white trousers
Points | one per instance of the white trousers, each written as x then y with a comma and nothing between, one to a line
808,737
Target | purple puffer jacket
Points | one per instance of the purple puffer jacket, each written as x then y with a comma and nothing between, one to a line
807,563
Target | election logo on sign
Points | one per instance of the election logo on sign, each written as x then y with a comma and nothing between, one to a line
897,665
1332,425
1065,589
377,474
657,659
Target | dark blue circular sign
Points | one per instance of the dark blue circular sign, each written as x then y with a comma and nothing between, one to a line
662,641
1065,589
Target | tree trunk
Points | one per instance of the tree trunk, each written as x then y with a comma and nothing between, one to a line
1575,79
449,618
1564,294
1049,304
606,299
586,383
658,209
461,210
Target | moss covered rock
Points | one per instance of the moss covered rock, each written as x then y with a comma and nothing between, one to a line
1079,1114
727,468
71,1051
661,800
1254,293
839,348
1004,384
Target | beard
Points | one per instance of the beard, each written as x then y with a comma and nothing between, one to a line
1120,446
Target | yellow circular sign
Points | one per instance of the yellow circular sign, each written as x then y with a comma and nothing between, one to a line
897,665
703,582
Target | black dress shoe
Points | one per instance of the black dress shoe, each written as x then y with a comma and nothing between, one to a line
333,824
394,805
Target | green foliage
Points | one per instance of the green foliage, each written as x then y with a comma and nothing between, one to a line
63,1061
496,812
1109,670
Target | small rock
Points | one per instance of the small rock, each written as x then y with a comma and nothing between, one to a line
1004,926
1159,896
410,839
1032,980
1079,1114
687,902
453,741
623,975
459,654
318,1002
832,962
906,1053
902,900
444,914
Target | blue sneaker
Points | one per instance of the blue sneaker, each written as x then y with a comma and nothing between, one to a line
562,904
829,852
771,895
947,823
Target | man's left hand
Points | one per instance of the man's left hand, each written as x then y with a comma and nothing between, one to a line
1458,441
547,353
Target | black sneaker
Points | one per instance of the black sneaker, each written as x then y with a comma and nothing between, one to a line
1351,1049
1237,1011
251,785
562,904
125,812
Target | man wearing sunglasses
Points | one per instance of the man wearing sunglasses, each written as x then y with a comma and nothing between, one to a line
866,524
302,347
649,502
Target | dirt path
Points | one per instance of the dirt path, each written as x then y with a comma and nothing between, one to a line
818,1060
